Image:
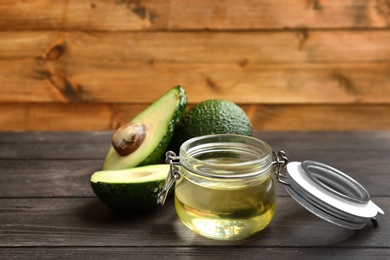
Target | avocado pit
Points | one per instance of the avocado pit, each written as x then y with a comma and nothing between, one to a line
128,138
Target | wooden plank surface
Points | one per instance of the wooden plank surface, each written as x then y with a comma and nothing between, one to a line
27,82
113,58
241,48
245,67
87,117
86,222
70,178
47,206
54,167
94,145
197,252
203,14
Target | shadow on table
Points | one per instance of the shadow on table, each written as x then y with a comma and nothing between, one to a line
97,212
306,229
150,228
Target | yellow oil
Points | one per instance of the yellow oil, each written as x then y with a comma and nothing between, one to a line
225,211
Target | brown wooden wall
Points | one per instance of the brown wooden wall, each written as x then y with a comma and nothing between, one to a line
291,64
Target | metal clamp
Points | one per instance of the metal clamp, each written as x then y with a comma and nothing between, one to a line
173,175
280,161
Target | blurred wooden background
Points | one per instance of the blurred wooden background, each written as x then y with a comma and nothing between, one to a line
290,64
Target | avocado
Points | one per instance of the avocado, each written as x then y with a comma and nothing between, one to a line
130,190
212,116
144,140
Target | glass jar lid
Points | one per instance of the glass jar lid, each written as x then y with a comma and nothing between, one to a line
330,194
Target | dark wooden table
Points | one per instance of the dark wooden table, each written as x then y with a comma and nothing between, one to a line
48,210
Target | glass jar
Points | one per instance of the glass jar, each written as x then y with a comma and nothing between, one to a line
226,188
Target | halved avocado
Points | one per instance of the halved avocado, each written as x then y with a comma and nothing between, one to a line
144,140
130,190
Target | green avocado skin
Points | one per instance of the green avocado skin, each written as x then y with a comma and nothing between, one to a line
134,198
161,148
213,116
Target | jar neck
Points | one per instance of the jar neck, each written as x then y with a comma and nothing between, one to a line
226,156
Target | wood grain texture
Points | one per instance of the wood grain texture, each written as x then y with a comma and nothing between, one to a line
240,48
86,222
194,14
245,67
77,65
234,252
366,83
93,145
60,164
48,210
265,84
88,117
71,177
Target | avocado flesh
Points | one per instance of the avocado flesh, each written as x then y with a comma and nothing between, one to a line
160,119
143,174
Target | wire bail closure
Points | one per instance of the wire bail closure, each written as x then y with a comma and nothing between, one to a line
279,162
173,176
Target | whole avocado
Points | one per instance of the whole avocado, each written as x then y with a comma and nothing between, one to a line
213,116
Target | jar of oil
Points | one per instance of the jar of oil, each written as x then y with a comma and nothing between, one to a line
226,188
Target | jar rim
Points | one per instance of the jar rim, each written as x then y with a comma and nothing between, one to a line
259,148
